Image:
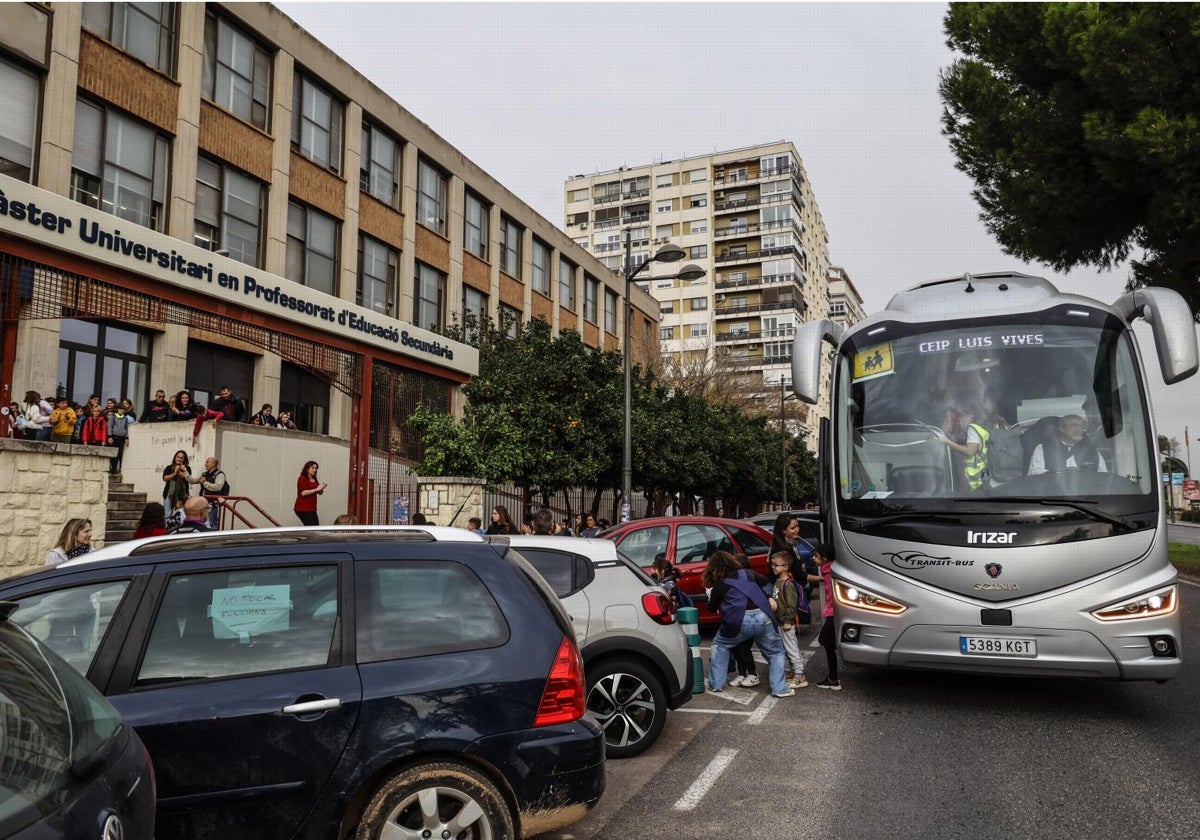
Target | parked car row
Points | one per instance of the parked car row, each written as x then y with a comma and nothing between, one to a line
322,682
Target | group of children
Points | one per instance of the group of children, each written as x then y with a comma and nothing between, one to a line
791,609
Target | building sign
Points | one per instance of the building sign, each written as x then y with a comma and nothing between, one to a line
57,222
1191,490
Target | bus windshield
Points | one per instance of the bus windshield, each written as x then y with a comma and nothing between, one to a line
1046,409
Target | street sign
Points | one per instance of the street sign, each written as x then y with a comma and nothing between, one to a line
1177,479
1191,489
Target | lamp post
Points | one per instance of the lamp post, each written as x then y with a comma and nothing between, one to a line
667,253
783,398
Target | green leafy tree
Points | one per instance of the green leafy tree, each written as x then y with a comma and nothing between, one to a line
1080,126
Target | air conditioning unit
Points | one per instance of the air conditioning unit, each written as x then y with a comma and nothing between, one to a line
583,225
661,240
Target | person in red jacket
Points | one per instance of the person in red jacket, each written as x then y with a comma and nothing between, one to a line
307,490
95,428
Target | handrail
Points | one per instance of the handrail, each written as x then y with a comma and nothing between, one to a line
234,513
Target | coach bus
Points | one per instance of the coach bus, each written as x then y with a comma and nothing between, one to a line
990,479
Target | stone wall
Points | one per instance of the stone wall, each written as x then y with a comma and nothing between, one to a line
44,485
450,501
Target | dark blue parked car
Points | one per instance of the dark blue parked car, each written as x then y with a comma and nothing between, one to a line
332,682
69,766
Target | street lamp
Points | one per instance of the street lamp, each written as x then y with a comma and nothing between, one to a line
667,253
783,398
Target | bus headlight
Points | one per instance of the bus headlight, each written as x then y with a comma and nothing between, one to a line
856,596
1144,606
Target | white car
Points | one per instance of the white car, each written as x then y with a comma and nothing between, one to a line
637,661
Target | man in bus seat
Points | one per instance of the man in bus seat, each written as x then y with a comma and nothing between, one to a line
974,451
1067,448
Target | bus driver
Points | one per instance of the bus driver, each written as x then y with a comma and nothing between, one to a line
1069,449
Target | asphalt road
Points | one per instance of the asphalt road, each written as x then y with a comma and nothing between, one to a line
914,755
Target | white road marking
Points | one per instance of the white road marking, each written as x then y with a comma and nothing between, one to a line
1189,582
763,710
707,778
714,712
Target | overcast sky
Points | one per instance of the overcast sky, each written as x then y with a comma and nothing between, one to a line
534,93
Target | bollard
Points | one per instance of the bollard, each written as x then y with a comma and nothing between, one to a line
689,620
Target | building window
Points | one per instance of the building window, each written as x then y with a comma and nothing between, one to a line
666,333
566,284
229,211
431,197
104,359
698,303
475,309
700,226
540,268
697,201
18,129
666,307
312,239
510,320
578,195
144,30
697,175
429,295
237,72
665,207
510,247
664,181
377,267
698,252
379,172
699,330
475,225
591,295
664,231
316,124
305,397
119,165
610,311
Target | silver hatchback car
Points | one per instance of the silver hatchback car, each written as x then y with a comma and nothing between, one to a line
636,658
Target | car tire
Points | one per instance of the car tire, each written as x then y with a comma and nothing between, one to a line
453,790
629,703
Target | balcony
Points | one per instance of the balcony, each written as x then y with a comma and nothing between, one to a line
747,309
748,283
757,256
734,231
753,174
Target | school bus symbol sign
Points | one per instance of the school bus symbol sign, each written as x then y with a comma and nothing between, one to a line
872,362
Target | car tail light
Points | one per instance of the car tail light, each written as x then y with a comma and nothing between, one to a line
659,607
564,698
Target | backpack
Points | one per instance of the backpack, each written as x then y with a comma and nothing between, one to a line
1006,455
803,606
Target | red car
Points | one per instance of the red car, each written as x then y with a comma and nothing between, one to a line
687,541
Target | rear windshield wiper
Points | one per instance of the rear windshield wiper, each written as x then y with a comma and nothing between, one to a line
1085,506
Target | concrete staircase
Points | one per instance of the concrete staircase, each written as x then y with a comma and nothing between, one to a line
124,510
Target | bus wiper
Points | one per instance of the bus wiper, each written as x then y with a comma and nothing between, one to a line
1087,506
864,524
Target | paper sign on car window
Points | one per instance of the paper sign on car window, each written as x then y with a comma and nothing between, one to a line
243,611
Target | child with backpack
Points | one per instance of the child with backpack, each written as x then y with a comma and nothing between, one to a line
791,608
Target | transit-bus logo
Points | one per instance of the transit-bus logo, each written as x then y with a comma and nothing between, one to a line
915,560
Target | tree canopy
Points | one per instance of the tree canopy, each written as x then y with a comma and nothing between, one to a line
1080,126
546,412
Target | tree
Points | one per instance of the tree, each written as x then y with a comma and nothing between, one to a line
1080,126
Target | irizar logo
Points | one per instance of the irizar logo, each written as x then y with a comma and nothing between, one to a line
991,537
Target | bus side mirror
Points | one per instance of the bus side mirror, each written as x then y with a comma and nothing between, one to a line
1173,324
806,356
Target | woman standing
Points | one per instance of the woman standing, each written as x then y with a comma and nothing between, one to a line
501,522
176,487
786,537
75,539
307,490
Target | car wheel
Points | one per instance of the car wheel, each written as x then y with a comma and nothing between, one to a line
437,800
630,705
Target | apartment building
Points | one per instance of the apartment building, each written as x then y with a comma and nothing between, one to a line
845,303
195,195
749,217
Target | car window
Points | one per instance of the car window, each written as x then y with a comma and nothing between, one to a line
51,717
72,622
644,544
245,621
408,609
694,543
750,542
566,572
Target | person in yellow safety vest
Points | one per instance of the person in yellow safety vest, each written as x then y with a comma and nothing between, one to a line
974,451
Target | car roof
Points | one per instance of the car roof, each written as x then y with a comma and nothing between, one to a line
594,547
297,535
667,520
